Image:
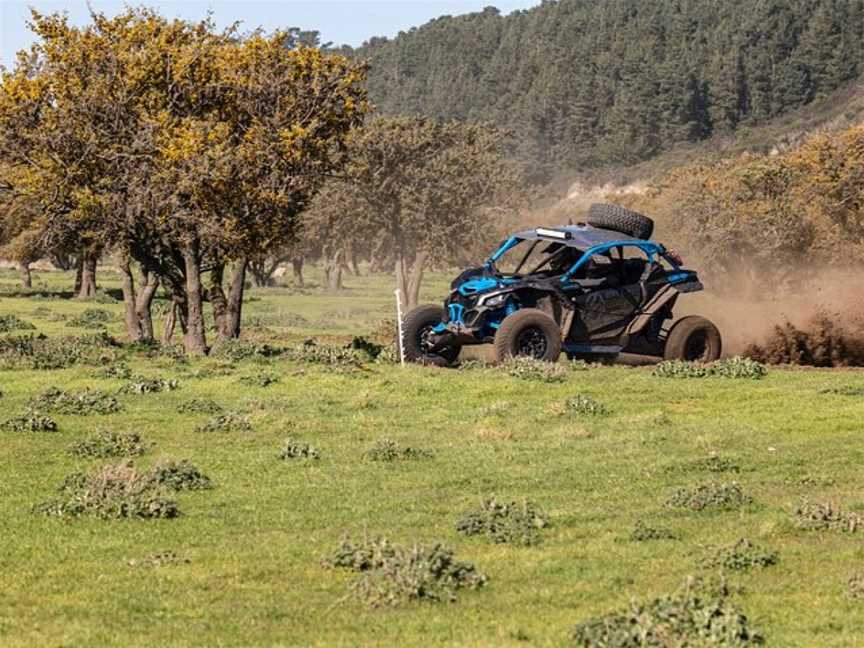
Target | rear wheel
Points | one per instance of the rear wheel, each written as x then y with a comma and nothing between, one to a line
694,339
417,329
528,333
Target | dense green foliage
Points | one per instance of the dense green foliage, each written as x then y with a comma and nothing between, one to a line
587,83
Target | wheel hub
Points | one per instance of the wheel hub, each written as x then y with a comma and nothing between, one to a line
532,343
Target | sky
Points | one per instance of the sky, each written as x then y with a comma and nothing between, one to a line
340,21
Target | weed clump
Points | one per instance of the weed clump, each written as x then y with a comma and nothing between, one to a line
644,533
741,555
846,390
179,476
526,368
159,559
505,522
292,449
83,403
109,444
855,587
113,491
388,450
737,367
698,614
716,464
200,406
44,353
115,370
391,575
815,516
14,323
228,422
335,358
710,496
237,350
138,384
29,421
582,405
92,318
264,379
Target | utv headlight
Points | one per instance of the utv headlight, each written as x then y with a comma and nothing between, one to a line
493,301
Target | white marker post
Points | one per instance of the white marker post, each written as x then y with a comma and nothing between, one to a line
399,326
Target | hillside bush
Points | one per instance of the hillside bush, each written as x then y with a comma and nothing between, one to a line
292,449
29,421
700,613
82,403
741,555
526,368
391,575
112,491
109,444
823,516
387,450
505,522
710,496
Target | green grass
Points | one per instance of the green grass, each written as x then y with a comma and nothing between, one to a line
255,542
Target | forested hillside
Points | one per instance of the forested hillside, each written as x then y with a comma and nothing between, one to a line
585,83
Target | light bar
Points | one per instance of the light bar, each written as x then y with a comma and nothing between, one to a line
551,233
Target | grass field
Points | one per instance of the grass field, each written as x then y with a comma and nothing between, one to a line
251,549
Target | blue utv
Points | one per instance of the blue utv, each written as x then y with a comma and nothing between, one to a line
592,290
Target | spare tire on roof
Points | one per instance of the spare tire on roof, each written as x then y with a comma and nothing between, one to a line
619,219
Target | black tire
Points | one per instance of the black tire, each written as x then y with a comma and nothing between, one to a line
418,323
619,219
528,332
693,339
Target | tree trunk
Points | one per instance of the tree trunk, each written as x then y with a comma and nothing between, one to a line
24,272
143,304
130,314
195,338
415,279
218,300
234,315
355,262
87,290
79,273
333,270
297,266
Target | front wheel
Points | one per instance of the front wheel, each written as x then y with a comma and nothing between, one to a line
417,329
528,333
694,339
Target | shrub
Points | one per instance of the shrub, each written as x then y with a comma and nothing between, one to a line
30,422
582,405
92,318
389,450
505,522
846,390
82,403
109,444
179,475
717,464
41,352
200,406
389,355
113,491
362,345
328,356
729,368
263,379
741,555
115,370
228,422
815,516
390,574
698,614
159,559
138,384
237,350
14,323
710,496
526,368
295,450
855,587
643,533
